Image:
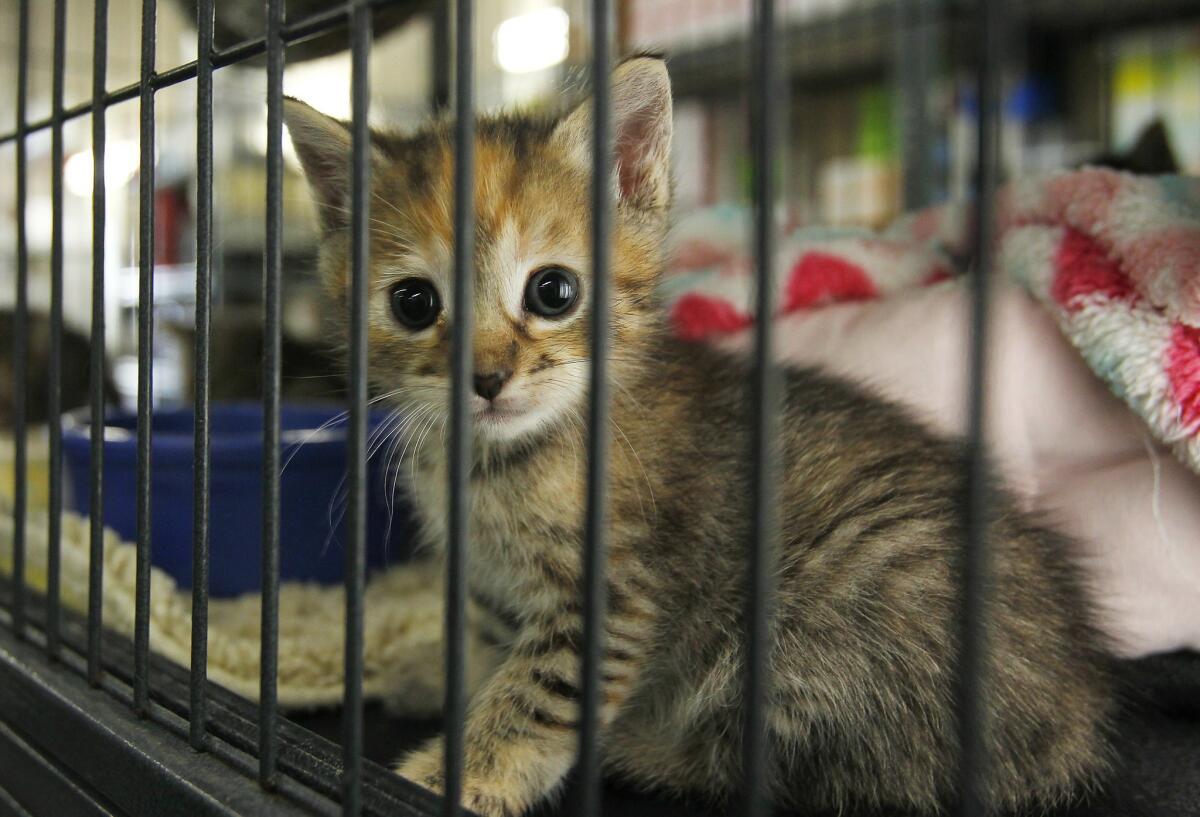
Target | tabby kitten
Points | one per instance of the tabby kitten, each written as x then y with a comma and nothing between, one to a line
861,708
76,370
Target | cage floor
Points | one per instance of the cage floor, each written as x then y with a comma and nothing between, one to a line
1159,744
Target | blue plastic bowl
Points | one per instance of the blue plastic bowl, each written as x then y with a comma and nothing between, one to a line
312,494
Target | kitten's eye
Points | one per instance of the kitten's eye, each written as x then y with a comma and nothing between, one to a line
551,292
415,303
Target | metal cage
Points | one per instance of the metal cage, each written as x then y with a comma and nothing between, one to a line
109,740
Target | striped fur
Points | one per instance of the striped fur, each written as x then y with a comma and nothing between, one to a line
861,712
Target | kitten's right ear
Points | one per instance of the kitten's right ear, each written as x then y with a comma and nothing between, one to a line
324,145
641,131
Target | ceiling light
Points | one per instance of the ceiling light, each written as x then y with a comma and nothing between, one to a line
532,42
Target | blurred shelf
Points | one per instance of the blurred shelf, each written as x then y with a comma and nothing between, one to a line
1107,15
859,40
842,46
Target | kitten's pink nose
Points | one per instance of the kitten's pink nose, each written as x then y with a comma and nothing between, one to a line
488,386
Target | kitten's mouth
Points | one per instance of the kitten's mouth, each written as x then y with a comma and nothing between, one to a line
496,415
504,419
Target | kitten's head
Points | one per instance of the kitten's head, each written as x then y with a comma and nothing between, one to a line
532,267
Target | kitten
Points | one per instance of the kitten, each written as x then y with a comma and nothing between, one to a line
308,374
1150,155
861,711
76,370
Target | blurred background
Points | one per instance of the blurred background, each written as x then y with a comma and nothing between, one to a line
881,119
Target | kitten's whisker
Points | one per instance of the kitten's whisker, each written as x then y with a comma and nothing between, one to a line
426,413
334,500
334,524
389,498
408,434
388,204
385,433
392,429
576,439
628,395
384,396
645,475
295,448
390,491
340,417
340,496
417,450
384,229
377,430
560,388
344,210
445,424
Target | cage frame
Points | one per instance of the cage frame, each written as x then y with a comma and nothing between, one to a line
108,739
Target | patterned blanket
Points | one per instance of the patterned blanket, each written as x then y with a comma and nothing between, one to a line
1115,258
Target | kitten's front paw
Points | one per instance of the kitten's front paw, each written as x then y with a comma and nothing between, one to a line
426,768
490,805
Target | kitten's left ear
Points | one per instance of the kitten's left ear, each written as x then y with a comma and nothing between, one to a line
641,125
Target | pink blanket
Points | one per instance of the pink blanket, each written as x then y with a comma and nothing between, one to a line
1112,263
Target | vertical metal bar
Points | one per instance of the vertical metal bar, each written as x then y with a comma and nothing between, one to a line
440,52
54,365
141,616
976,488
201,506
268,739
20,334
356,543
96,547
1106,56
764,106
595,544
914,70
460,421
